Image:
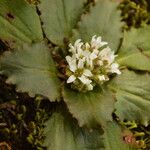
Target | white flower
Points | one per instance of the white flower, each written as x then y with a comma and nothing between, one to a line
107,54
100,62
87,46
71,79
93,55
115,69
78,44
86,53
101,78
72,49
85,80
89,87
96,51
81,63
90,64
87,73
76,49
72,63
97,42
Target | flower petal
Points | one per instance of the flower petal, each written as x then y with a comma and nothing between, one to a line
81,63
84,79
71,79
115,68
107,54
68,59
87,73
93,56
72,49
87,46
97,42
101,78
90,87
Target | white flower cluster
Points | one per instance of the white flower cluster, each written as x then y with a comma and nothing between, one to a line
90,64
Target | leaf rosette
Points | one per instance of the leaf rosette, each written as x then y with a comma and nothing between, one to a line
37,34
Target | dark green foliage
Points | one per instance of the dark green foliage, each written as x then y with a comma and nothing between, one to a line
21,119
135,13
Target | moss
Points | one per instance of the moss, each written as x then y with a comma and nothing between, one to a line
135,13
140,133
21,119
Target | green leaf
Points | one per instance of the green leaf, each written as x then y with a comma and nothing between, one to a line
19,23
135,50
89,108
102,20
32,69
59,18
113,138
63,134
133,96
